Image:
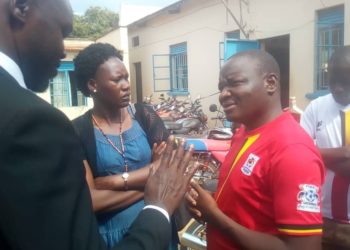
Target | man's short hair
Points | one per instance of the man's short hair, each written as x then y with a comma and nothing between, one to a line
341,55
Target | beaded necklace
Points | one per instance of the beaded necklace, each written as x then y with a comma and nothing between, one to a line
122,151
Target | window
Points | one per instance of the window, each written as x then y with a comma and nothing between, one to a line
228,35
135,41
232,35
329,36
178,68
170,70
221,54
63,88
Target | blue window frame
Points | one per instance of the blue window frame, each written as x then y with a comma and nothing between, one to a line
161,72
233,46
329,36
228,35
170,71
63,89
178,68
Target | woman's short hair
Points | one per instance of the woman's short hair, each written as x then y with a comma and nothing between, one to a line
89,59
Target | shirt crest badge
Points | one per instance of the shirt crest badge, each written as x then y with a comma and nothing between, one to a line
249,164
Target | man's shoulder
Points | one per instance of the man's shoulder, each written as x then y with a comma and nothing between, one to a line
322,101
82,123
319,109
16,101
22,100
83,117
12,93
288,133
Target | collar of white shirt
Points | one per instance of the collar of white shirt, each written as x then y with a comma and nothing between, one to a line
12,68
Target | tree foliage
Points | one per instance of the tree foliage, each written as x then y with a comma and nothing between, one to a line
94,23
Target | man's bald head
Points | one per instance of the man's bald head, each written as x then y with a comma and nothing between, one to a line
264,61
250,88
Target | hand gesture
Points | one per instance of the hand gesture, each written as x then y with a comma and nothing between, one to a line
167,185
158,150
201,203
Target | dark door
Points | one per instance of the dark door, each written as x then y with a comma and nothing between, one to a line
278,47
138,74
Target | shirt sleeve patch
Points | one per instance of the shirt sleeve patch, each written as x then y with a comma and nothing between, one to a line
308,198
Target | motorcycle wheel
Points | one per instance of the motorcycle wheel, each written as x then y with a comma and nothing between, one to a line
193,237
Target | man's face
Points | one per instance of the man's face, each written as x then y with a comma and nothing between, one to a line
40,44
339,81
242,93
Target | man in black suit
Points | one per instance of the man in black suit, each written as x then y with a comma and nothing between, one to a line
44,199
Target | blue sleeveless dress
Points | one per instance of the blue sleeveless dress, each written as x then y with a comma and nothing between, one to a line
114,225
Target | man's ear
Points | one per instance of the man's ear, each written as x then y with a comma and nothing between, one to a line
19,10
271,82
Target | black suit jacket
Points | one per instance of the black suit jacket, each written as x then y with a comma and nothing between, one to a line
44,199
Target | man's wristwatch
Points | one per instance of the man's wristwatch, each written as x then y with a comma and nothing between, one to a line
125,177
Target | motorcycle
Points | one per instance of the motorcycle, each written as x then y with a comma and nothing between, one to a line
210,152
182,117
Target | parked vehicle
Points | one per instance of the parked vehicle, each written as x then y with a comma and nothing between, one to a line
210,153
148,99
182,116
220,117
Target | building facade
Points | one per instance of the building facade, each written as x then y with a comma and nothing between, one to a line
179,49
62,92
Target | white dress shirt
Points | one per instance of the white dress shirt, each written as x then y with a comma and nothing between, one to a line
12,68
163,211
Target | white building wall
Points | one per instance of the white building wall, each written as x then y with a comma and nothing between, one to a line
296,18
112,38
203,26
119,37
70,112
347,22
202,37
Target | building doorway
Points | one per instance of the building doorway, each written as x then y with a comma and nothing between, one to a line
278,47
138,74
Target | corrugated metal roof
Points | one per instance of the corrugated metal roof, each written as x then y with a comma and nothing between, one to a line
172,8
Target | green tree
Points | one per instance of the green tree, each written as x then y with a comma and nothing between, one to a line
94,23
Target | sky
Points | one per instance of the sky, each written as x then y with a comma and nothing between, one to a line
79,6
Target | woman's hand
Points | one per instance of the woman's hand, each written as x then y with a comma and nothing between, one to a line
158,150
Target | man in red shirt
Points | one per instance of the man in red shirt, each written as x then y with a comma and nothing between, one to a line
269,190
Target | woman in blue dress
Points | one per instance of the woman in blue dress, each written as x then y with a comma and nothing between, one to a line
117,139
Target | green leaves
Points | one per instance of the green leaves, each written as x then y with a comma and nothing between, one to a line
94,23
